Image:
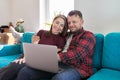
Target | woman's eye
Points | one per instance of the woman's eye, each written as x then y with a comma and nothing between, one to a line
62,25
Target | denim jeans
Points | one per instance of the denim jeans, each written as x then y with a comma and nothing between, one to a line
10,71
67,73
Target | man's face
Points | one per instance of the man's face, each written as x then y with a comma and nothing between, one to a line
74,23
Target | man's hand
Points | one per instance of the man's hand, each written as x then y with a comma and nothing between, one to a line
35,39
59,49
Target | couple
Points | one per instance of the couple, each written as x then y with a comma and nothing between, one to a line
75,57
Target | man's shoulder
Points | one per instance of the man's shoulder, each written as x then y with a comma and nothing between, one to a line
90,35
89,32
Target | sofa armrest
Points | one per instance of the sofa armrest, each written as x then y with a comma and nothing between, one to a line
6,50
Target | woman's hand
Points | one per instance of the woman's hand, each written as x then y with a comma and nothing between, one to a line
35,39
20,61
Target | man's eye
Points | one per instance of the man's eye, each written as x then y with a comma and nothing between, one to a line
74,21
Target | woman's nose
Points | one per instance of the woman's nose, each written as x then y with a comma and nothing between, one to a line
58,25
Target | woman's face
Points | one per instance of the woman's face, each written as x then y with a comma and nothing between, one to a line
58,25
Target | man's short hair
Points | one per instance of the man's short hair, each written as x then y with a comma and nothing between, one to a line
76,13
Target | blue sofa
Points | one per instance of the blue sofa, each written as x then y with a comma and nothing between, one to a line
9,53
106,58
110,65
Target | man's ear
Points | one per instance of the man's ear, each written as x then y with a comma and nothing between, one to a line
82,21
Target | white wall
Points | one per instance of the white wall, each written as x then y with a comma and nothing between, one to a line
100,16
29,11
4,12
11,10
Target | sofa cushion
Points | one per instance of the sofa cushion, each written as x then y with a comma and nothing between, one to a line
106,74
98,52
26,38
5,60
6,38
12,49
111,51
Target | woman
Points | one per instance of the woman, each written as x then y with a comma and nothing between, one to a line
53,37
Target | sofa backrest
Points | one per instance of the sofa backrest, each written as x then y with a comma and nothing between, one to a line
97,52
27,37
97,57
111,51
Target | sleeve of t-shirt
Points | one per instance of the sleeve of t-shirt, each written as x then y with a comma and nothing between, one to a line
40,33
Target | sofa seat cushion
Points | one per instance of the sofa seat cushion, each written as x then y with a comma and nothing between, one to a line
106,74
5,60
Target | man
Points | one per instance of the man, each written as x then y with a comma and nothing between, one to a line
76,57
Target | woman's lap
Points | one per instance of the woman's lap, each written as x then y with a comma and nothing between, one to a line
28,73
10,72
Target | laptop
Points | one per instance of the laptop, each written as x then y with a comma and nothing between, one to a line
42,57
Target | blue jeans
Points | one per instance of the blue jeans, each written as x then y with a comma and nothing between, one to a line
28,73
67,74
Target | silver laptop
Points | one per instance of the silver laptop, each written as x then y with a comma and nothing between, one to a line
40,56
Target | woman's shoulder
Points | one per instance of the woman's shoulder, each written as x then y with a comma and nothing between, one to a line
42,31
